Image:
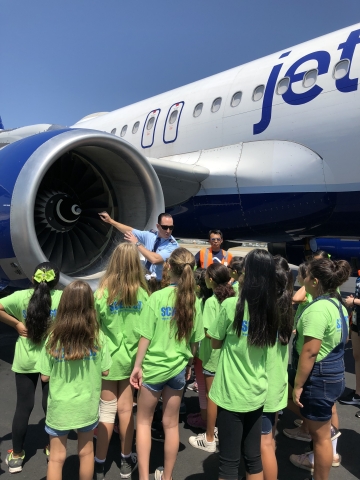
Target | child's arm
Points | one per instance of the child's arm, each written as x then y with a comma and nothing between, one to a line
105,374
45,378
299,296
136,375
216,344
12,322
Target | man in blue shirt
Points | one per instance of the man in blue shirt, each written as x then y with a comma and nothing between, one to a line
155,246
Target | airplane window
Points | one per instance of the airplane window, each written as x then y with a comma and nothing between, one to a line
136,127
341,69
198,109
216,104
123,131
283,86
113,131
173,117
150,123
236,99
258,93
310,78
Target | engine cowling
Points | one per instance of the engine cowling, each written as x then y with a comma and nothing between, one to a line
52,187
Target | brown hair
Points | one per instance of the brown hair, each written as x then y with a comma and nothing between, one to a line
330,273
182,263
220,275
123,277
75,331
165,279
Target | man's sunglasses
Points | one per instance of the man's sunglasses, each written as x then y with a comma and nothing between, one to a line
167,227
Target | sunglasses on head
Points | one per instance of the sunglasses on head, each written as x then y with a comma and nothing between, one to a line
167,227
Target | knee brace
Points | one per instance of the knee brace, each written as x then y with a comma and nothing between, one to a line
108,410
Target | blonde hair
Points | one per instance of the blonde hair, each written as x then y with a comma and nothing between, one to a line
182,263
123,277
75,332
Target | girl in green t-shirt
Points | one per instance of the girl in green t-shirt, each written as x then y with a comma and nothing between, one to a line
246,327
236,268
72,360
29,312
119,301
217,279
170,327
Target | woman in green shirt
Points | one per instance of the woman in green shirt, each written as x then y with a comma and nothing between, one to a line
247,325
170,327
119,301
29,312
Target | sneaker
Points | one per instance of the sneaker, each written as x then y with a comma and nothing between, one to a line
159,473
298,422
193,386
99,471
200,442
216,435
297,434
302,461
128,465
196,422
158,435
351,398
14,464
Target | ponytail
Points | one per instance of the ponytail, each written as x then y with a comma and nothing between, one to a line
182,263
46,277
220,275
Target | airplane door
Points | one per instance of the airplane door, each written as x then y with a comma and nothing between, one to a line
148,133
171,126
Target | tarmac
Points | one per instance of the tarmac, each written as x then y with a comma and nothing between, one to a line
192,464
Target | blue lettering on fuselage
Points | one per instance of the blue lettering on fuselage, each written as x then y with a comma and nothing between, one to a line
345,84
167,312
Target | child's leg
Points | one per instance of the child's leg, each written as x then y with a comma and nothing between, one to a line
126,418
86,455
25,393
147,401
171,408
211,413
201,387
268,456
57,457
108,407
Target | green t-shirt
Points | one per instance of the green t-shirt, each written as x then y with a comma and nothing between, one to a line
240,383
26,352
277,359
209,356
165,356
75,387
321,320
118,325
235,286
301,307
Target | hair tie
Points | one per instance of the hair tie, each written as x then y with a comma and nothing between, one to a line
149,276
44,276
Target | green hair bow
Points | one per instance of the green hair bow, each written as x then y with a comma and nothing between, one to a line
44,276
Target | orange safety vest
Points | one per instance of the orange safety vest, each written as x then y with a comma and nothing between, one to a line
206,257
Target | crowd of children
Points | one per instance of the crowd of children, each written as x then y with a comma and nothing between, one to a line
232,323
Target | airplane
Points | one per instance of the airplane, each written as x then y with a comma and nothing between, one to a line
268,150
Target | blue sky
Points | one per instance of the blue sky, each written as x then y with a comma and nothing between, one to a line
64,59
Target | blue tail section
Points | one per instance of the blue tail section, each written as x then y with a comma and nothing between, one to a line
1,125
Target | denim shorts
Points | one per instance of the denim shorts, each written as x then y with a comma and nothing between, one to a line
176,383
268,421
319,395
60,433
208,374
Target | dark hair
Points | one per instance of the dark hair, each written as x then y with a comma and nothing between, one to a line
237,266
303,270
216,232
284,303
75,331
330,273
205,292
220,275
283,263
321,254
152,284
182,263
259,291
161,215
235,259
39,307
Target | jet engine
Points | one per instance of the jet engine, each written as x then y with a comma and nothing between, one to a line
52,187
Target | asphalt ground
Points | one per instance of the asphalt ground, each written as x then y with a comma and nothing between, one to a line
192,464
